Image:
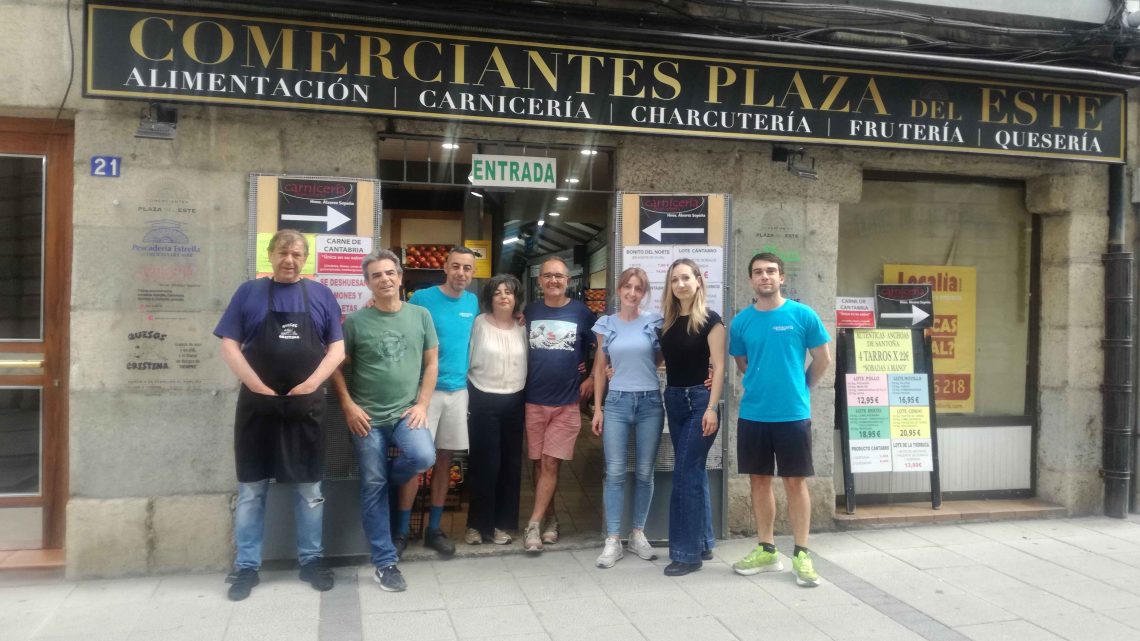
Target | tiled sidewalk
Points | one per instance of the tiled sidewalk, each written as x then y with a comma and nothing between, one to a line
1075,579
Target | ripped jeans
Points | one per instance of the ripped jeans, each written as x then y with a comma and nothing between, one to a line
249,522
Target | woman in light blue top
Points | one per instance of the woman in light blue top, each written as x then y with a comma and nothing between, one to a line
627,342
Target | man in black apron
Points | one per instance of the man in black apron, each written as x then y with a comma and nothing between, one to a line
281,336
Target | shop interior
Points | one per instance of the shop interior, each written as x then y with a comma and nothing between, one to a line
429,205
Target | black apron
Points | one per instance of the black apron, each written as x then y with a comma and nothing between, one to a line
281,436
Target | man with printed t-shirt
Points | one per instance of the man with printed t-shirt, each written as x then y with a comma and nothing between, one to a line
281,336
769,340
453,310
560,336
391,359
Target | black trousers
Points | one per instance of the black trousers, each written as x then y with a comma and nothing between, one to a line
495,426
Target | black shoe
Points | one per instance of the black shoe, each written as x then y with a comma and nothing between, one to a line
401,543
707,555
676,568
438,541
318,575
241,583
390,579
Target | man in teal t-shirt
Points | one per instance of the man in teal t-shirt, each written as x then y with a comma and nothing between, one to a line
391,356
770,340
453,310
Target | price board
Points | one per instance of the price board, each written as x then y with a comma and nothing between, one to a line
884,396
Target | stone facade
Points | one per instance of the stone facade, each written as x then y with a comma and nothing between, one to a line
151,470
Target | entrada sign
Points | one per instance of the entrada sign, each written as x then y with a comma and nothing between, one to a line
513,171
220,58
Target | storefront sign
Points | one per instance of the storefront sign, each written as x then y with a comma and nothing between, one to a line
883,350
673,220
482,249
313,205
233,59
852,311
903,306
527,172
953,329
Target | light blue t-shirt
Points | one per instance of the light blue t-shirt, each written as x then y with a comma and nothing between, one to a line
632,348
776,344
453,318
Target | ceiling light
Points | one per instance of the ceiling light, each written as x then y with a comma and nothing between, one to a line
541,223
554,213
572,181
562,198
510,241
450,145
589,152
477,194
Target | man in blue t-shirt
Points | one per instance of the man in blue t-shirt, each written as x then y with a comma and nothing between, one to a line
769,340
560,336
453,310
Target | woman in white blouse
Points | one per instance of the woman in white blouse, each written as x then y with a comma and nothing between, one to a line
495,379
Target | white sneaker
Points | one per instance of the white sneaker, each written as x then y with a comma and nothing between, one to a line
611,553
473,537
532,540
501,537
639,545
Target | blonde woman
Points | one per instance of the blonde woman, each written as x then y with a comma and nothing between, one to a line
632,407
692,342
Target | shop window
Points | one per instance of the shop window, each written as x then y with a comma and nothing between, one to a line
979,225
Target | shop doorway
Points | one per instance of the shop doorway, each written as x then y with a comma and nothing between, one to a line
35,255
429,202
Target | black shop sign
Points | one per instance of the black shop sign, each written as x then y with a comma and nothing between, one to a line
213,57
316,206
673,220
904,305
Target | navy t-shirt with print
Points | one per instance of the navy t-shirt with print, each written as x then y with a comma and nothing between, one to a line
559,339
246,312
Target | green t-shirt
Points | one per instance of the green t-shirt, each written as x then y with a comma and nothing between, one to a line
386,351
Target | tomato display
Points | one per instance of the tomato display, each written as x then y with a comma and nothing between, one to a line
426,256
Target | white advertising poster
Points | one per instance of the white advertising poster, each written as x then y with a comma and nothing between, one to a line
656,259
350,291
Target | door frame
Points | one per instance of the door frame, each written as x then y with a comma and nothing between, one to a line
54,139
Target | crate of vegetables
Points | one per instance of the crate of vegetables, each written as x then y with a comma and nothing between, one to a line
425,256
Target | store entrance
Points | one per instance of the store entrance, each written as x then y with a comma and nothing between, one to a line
429,205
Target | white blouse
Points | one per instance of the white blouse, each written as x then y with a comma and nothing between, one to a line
497,363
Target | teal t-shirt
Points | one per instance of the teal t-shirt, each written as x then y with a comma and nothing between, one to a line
453,318
776,344
387,351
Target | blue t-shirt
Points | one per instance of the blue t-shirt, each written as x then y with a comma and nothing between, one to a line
632,348
246,311
453,318
560,339
776,344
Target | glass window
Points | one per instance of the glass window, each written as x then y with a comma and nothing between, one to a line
930,224
20,441
21,247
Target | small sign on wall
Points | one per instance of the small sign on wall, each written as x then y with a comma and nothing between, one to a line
106,166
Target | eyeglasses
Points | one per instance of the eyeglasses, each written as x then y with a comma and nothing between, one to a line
552,276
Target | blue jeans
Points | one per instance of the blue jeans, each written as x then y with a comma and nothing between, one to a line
249,522
690,507
641,414
377,475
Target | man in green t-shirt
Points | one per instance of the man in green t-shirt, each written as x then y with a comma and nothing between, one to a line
392,361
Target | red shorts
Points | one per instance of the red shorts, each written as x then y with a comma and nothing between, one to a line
552,430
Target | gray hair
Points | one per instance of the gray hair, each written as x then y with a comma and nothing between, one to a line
288,237
381,254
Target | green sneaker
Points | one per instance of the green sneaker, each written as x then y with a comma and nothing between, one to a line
805,573
758,561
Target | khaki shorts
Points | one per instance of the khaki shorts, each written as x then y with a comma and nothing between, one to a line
447,419
552,430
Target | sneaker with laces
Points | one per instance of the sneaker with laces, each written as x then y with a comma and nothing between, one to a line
550,532
241,583
318,574
473,537
438,541
390,579
758,561
532,540
640,546
805,570
611,553
501,538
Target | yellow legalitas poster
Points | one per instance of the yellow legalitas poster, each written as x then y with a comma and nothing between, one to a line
954,332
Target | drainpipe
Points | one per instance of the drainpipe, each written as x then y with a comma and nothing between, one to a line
1118,356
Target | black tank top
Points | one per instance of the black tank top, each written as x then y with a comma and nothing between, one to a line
687,355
